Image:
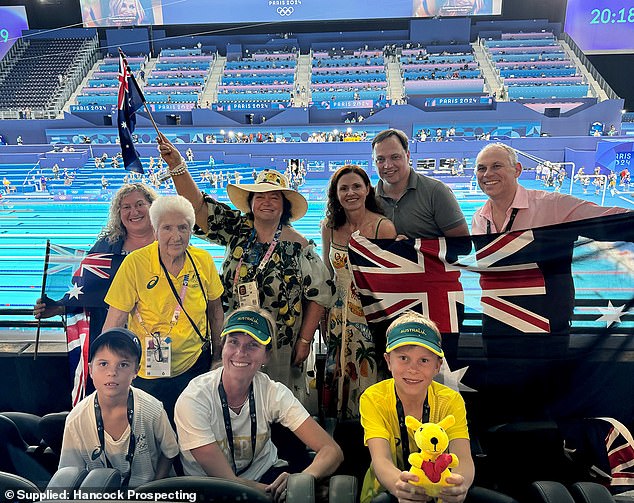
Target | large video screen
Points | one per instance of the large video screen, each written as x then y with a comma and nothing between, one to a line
147,12
12,22
601,26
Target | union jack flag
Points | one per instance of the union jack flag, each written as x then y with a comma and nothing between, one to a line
620,446
97,263
425,275
63,259
519,282
392,277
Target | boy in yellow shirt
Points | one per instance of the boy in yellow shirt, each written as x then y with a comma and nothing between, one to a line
414,356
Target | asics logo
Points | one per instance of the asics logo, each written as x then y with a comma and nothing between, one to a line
285,11
152,283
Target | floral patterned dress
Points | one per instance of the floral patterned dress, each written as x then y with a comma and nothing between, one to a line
291,276
347,328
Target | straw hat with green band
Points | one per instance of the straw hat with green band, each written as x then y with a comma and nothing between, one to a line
251,323
268,180
412,333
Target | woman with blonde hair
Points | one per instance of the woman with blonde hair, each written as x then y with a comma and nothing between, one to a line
126,12
238,401
128,228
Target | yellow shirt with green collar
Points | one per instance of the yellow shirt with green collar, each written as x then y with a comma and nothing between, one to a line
379,419
140,286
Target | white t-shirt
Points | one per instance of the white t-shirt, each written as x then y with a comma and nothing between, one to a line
199,422
152,430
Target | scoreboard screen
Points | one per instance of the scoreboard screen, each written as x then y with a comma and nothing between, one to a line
12,22
601,26
157,12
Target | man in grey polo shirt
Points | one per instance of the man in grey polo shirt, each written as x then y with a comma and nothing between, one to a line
420,207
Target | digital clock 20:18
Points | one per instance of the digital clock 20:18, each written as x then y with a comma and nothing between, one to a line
606,16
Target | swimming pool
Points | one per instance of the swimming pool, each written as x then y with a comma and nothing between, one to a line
26,225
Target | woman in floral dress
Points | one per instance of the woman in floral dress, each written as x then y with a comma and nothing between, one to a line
352,207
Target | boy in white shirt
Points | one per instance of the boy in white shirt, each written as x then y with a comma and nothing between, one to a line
119,426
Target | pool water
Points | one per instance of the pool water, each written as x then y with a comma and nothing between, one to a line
26,225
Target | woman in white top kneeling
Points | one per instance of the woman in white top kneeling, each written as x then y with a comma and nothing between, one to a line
224,417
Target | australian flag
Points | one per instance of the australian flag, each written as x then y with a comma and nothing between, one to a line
80,281
540,316
521,282
130,100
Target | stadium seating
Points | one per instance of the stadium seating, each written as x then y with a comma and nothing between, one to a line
16,458
261,77
40,73
178,77
350,75
433,71
535,67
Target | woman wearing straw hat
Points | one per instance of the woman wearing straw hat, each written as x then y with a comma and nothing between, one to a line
267,262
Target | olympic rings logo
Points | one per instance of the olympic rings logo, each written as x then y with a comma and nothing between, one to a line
285,11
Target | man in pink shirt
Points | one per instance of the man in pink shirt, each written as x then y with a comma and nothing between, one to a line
512,207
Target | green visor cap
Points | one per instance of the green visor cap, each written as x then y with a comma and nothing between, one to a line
250,323
414,333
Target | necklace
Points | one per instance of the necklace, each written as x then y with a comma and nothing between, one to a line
238,406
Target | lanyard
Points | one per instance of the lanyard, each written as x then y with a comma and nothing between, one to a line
509,225
229,430
181,298
131,441
266,257
177,309
403,427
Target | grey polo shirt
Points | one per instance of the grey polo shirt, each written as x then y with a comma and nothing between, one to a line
426,210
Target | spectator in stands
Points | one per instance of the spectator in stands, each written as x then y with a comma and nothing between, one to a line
511,206
612,131
267,262
128,228
19,140
103,419
215,408
414,356
8,188
183,281
419,206
190,155
351,365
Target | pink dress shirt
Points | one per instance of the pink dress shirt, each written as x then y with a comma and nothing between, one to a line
538,208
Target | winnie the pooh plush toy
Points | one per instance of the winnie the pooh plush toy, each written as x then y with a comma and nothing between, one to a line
431,465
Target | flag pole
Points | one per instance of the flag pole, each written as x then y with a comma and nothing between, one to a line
147,109
43,291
